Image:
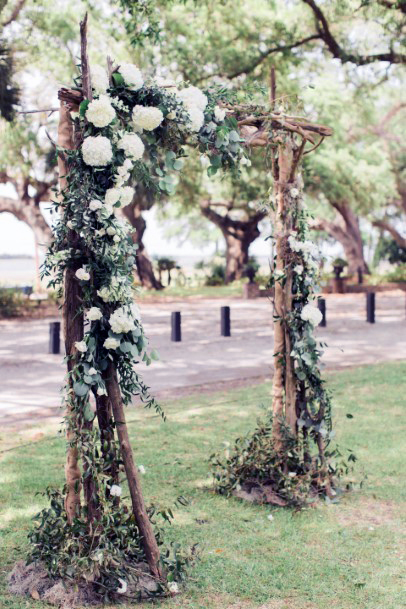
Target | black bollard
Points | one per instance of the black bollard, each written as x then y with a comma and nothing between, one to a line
371,307
176,335
321,303
225,324
360,276
54,337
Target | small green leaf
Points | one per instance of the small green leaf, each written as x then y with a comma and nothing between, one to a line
83,107
80,389
118,79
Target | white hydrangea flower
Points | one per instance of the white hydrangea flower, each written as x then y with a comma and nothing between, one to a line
132,76
112,196
121,321
111,343
100,79
82,274
94,205
97,151
100,112
116,239
132,145
81,346
311,314
115,490
94,313
147,117
126,196
192,97
219,114
128,164
196,119
122,589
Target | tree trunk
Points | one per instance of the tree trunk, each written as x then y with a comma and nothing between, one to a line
345,229
29,212
145,270
238,235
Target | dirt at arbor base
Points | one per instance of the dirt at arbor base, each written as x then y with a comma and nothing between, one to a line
33,581
259,493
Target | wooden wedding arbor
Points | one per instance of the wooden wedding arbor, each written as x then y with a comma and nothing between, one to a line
286,138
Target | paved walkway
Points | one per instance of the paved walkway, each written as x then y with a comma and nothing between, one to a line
31,378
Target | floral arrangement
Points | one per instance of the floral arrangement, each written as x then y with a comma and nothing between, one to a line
132,132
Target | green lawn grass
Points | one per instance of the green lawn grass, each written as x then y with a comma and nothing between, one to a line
173,292
344,556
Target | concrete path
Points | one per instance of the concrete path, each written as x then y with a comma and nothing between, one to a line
31,378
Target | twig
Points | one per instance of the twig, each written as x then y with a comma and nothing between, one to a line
316,146
86,80
51,110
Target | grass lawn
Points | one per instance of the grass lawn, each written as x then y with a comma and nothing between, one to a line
345,556
173,292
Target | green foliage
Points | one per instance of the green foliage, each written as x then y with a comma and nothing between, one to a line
388,249
9,92
293,481
11,302
112,552
217,274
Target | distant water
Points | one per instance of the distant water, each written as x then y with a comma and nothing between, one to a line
17,271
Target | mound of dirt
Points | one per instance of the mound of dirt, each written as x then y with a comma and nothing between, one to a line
32,580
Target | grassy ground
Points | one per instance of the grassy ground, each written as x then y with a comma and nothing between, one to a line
173,292
345,556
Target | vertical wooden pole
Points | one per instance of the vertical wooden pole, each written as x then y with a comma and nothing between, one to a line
73,331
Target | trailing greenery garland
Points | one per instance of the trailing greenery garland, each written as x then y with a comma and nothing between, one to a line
131,132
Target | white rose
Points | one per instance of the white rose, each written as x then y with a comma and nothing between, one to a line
121,321
116,239
192,97
100,79
100,112
196,119
132,76
106,211
126,196
111,343
101,391
101,232
148,118
112,196
115,490
94,205
171,115
132,145
298,269
219,114
97,151
111,231
92,371
81,346
82,274
94,313
311,314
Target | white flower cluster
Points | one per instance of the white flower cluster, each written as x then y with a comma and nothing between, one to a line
123,173
123,195
219,114
94,313
123,319
100,112
95,204
111,343
132,145
195,103
115,490
132,76
97,151
82,274
100,80
311,314
147,117
119,104
308,248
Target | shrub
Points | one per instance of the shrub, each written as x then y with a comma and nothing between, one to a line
11,302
